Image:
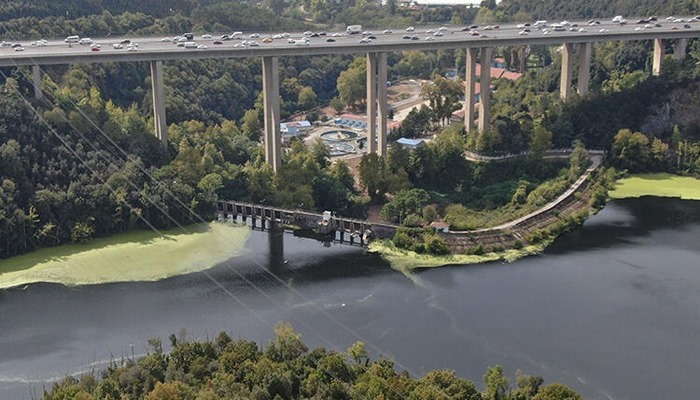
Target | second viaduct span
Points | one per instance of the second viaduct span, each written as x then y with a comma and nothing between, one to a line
156,52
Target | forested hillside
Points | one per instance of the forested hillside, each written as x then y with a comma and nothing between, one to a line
83,161
561,9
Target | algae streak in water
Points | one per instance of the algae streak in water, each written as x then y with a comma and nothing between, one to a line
133,256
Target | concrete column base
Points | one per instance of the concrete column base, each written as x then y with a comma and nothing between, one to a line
372,103
36,80
271,93
659,54
469,93
158,89
566,71
485,92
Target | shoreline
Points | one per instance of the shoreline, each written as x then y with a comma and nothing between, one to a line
633,186
177,252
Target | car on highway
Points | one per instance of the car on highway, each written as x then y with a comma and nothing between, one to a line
406,37
131,47
330,40
254,35
85,41
410,29
365,40
40,43
266,40
126,41
20,48
117,46
206,36
95,47
217,42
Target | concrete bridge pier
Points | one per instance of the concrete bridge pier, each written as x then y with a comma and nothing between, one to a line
36,80
584,68
679,49
566,71
161,126
382,76
659,53
271,93
376,103
485,92
470,87
371,103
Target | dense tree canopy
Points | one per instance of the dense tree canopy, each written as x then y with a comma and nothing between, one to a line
286,368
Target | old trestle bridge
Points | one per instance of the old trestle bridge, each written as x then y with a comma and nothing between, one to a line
326,226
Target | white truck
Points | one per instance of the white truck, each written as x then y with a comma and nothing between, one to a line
353,29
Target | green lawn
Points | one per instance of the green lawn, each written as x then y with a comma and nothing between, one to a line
662,185
132,256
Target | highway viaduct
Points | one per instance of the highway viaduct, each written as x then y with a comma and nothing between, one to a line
155,52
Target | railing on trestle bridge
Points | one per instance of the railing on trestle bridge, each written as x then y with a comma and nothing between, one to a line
327,226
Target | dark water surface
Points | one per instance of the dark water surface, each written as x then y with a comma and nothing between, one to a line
612,309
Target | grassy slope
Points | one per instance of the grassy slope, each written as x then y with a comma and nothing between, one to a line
662,185
133,256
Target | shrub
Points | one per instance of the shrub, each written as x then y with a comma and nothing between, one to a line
435,245
477,250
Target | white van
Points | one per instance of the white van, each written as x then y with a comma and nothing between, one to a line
353,29
72,39
190,45
85,41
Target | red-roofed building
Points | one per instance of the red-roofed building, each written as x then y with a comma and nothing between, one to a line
501,73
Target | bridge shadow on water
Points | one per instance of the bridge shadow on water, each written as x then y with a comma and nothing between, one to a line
276,256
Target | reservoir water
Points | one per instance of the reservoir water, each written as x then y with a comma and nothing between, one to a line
611,309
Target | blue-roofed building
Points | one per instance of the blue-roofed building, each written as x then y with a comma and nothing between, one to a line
294,129
410,143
